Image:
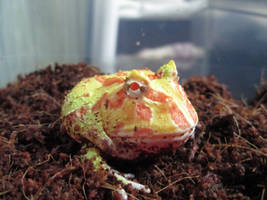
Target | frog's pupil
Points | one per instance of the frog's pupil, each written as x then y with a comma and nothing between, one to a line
134,86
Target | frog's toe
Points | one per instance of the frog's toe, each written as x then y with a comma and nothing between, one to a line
138,186
134,185
120,194
129,175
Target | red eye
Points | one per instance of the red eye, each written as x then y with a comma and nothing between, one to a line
134,86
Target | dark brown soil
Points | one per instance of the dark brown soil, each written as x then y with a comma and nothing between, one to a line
227,159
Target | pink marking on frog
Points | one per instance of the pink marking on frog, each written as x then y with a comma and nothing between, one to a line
98,104
157,96
159,74
121,73
189,106
143,111
191,111
100,79
83,110
112,80
86,94
153,76
117,100
109,81
79,113
178,117
181,89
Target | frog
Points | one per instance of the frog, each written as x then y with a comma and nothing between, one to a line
128,115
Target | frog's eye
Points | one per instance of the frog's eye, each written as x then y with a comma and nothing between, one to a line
135,88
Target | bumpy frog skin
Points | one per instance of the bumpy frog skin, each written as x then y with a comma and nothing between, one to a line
130,113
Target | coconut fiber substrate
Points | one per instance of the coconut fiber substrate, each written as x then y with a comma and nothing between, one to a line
227,158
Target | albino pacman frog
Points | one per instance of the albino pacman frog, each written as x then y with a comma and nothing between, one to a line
127,115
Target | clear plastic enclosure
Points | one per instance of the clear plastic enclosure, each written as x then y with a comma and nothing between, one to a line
224,38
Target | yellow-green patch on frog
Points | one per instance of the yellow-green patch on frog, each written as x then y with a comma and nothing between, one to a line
131,112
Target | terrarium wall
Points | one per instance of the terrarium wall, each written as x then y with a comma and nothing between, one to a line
36,33
224,38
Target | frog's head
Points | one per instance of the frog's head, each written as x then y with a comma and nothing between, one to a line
150,108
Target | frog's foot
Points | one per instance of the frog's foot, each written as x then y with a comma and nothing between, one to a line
128,175
132,184
120,193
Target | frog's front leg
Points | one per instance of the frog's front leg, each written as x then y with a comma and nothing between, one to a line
99,164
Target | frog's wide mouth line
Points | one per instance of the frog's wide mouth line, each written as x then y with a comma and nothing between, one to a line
126,147
163,138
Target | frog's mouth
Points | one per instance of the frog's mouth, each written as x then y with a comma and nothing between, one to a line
129,147
167,137
152,138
